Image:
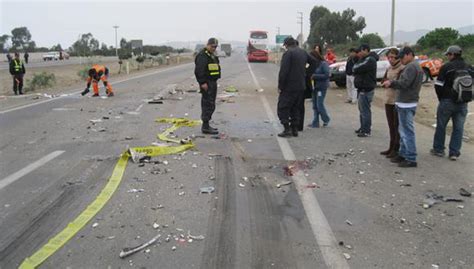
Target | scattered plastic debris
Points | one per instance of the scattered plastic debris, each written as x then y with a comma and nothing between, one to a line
95,225
95,121
173,248
207,189
347,256
129,251
312,186
242,185
349,222
464,192
135,190
181,193
279,185
231,89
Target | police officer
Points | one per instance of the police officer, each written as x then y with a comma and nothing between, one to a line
17,70
207,72
291,86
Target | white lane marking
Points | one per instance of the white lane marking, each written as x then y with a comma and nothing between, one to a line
319,224
15,176
78,91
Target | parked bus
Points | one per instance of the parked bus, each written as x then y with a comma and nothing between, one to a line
257,48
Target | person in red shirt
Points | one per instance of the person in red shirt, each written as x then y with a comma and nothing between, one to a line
330,56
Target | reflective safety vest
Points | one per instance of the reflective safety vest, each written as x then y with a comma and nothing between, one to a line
17,65
214,68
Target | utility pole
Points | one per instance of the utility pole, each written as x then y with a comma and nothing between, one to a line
116,45
300,22
392,30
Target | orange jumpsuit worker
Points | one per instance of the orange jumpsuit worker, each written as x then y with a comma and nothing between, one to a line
96,74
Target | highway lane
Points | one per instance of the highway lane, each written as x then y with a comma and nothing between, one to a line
247,221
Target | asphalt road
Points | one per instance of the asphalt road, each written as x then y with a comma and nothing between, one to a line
54,161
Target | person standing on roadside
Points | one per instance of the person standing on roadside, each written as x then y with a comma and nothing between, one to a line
207,72
392,73
449,107
408,93
17,70
321,84
330,56
365,80
351,89
291,86
26,56
308,93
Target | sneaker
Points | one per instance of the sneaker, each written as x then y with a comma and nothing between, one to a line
453,157
397,159
358,131
406,164
348,101
325,124
436,153
361,134
95,95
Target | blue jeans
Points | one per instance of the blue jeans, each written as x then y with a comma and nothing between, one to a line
457,112
365,98
406,128
318,107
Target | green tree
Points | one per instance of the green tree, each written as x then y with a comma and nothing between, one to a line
3,41
466,41
373,40
57,47
334,27
86,45
439,38
21,39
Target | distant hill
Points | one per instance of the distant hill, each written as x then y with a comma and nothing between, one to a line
412,36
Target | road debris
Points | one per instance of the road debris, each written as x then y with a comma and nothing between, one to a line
279,185
160,206
95,121
135,190
347,256
195,237
95,225
433,198
155,102
349,222
312,186
181,193
231,89
136,156
129,251
207,189
173,248
464,192
242,185
156,225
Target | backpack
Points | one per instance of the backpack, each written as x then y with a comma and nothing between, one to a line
462,86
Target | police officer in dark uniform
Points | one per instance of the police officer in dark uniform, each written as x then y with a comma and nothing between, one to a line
291,86
17,70
207,72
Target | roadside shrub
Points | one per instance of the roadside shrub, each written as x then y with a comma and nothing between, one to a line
40,81
83,73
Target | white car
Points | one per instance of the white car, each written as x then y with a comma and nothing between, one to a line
55,55
338,70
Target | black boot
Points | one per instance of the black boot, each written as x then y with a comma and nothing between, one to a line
215,129
294,130
286,132
206,129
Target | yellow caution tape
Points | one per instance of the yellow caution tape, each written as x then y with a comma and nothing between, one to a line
59,240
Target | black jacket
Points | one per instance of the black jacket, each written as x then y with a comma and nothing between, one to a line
293,69
12,67
444,82
365,73
351,61
201,71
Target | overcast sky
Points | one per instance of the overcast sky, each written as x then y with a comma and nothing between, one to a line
52,22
